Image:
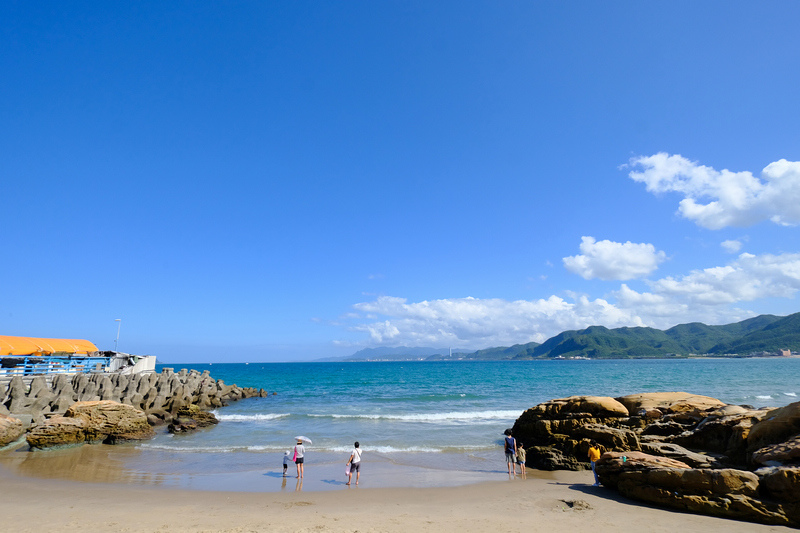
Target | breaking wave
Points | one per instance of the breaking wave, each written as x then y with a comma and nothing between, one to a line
432,417
250,418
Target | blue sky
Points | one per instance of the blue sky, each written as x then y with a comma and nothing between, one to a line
263,181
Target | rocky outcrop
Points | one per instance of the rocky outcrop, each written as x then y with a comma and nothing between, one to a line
160,395
729,493
94,421
678,450
556,433
190,418
669,402
784,453
776,426
781,484
10,429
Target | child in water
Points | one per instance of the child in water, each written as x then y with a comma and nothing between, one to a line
521,458
286,459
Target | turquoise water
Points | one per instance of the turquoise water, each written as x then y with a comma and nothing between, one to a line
405,410
419,424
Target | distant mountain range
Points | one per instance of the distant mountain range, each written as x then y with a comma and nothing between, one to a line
762,335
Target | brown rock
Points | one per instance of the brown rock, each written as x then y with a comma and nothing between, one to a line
723,433
731,481
111,422
637,460
726,493
612,438
679,453
782,484
57,431
190,418
669,402
580,406
10,429
779,454
776,426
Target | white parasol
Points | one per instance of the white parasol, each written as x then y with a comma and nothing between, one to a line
303,439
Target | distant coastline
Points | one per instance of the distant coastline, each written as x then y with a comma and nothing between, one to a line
761,336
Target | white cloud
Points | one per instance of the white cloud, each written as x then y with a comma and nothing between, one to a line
477,323
731,246
709,295
748,278
716,199
610,260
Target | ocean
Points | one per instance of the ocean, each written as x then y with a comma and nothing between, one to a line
418,423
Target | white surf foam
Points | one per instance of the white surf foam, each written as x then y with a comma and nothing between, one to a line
250,418
433,417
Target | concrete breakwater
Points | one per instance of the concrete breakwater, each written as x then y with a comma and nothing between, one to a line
159,396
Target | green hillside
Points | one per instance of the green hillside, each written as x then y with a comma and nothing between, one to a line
781,334
698,338
501,353
600,342
765,333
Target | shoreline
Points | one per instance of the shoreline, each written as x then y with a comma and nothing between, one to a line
136,465
561,501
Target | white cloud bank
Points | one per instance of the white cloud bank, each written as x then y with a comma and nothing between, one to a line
707,295
609,260
478,323
716,199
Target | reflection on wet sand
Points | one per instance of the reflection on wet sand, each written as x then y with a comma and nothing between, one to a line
99,463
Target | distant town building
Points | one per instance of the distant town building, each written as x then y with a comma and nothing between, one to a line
786,353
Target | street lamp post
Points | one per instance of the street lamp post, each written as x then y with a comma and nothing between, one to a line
119,325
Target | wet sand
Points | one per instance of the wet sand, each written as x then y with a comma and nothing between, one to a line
36,494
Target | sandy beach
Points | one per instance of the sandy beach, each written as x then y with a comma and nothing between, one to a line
543,502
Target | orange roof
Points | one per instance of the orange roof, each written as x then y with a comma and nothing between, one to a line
35,346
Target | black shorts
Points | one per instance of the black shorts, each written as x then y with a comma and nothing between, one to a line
299,460
355,467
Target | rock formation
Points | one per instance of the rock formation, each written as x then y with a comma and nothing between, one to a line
678,450
160,396
109,408
94,421
190,418
10,429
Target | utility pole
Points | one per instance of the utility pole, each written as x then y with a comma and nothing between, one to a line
119,325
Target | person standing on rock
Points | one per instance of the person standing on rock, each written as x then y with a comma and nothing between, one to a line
594,456
511,452
299,453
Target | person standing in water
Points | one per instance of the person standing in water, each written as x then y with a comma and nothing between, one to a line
300,452
355,463
286,458
521,458
511,453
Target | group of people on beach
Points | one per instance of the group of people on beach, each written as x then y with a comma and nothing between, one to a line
353,464
515,455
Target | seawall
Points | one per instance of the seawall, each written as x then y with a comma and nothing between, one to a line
160,395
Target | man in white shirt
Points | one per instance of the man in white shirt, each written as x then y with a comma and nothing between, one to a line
355,463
